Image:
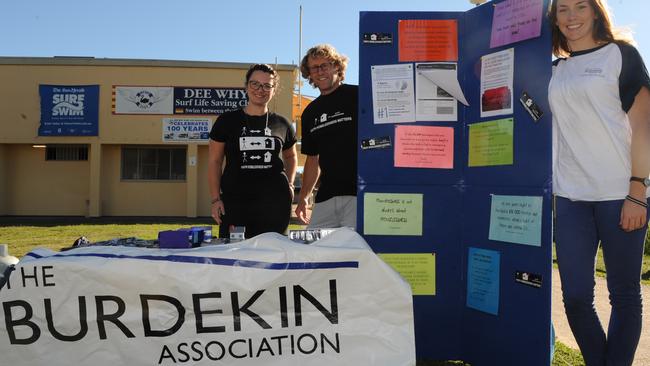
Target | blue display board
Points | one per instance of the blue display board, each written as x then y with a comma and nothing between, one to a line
493,201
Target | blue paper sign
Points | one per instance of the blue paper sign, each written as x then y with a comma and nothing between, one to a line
483,280
516,219
69,110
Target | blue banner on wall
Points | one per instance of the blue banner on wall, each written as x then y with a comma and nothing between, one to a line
69,110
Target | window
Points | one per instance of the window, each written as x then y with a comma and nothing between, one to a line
66,152
153,163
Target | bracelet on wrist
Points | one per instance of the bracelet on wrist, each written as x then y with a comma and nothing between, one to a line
215,200
637,201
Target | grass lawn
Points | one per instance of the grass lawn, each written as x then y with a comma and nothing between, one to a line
24,235
565,356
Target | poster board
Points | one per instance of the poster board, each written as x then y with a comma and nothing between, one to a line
485,255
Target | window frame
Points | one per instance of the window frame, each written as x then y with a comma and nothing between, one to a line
66,152
140,165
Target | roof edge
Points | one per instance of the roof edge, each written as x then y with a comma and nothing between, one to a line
92,61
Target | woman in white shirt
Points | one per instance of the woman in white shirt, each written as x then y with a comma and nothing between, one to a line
600,98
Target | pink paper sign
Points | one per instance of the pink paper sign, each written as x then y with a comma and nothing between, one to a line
424,147
516,20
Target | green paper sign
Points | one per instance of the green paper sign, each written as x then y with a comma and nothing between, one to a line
418,269
490,143
392,214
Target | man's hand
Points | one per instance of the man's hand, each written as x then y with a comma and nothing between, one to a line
301,211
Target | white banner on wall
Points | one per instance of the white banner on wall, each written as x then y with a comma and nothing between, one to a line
186,130
264,301
143,100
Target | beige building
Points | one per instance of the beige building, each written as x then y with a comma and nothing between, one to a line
135,166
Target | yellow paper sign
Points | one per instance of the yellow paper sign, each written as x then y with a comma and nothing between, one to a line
418,269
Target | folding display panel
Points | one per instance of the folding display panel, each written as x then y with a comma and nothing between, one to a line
485,201
440,236
520,332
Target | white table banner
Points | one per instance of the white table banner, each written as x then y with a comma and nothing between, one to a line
263,301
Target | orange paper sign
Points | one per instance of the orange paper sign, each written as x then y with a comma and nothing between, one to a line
428,40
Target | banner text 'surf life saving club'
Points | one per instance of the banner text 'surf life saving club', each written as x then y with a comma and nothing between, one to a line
212,101
69,110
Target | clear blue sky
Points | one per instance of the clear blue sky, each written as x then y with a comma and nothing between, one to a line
218,30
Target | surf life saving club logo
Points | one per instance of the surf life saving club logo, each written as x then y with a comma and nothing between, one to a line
67,104
145,99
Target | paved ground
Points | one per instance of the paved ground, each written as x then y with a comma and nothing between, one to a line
563,332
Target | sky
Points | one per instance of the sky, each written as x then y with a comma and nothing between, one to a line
248,31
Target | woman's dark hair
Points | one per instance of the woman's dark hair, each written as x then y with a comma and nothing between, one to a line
264,68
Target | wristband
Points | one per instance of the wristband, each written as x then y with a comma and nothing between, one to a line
215,200
638,202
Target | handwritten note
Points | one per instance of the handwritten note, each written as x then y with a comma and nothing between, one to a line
483,280
516,219
418,269
516,20
392,214
424,147
490,143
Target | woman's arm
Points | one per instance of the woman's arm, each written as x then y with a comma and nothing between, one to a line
215,166
290,158
633,215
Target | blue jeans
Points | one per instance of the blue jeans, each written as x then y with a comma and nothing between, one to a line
580,226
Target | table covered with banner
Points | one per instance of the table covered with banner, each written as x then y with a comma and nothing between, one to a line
262,301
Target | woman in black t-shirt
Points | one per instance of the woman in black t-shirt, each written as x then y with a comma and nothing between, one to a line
255,189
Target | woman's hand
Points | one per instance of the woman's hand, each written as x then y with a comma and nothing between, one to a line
217,211
633,216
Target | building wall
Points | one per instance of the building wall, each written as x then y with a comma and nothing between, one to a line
139,198
3,180
299,104
94,187
203,200
19,100
39,187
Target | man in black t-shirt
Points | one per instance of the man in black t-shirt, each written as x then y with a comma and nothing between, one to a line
329,139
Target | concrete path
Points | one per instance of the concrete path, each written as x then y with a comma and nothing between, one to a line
563,332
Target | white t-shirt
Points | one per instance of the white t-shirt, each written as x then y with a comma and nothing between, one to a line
590,93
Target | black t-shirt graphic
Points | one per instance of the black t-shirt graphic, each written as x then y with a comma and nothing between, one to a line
329,130
252,149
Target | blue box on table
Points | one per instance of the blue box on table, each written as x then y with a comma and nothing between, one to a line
181,238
